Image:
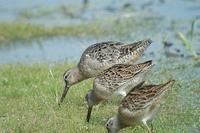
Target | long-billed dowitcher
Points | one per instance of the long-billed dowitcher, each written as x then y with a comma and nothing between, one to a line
99,57
139,107
117,80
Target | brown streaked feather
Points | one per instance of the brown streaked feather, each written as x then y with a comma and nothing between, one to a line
101,56
119,74
141,98
103,51
136,46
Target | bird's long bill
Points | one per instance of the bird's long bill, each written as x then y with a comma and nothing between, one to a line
108,131
89,113
64,93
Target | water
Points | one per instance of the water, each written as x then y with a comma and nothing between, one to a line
171,12
98,9
66,48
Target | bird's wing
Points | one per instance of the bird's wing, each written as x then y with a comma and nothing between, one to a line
120,74
101,56
139,99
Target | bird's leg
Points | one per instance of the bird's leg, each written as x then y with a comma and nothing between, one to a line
152,130
151,125
145,126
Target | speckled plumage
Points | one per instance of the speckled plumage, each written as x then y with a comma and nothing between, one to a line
139,106
120,77
117,80
99,57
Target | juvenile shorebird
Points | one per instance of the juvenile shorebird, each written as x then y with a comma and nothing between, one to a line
139,107
99,57
117,80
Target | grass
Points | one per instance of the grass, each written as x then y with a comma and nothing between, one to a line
187,39
23,31
13,31
187,44
29,94
65,10
191,31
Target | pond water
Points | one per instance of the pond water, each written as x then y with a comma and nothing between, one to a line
70,47
98,9
48,50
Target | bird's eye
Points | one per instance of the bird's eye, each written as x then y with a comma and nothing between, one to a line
65,76
107,125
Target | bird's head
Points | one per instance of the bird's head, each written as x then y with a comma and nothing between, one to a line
112,125
71,76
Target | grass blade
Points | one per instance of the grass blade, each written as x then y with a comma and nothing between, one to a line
187,44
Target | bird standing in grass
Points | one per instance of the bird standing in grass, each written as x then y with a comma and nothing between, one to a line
99,57
139,107
117,80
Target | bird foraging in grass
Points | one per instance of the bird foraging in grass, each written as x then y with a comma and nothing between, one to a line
101,56
115,81
139,107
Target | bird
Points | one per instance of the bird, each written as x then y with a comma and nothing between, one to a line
139,107
115,81
99,57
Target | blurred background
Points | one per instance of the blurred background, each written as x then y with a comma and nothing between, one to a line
40,39
39,31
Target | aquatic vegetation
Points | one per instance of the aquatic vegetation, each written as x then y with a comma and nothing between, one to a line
65,10
191,31
187,44
114,26
24,31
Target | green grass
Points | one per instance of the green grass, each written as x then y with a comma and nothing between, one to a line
29,95
23,31
65,10
13,31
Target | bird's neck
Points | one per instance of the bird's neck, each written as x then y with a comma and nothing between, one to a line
78,74
95,98
121,122
117,123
